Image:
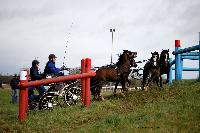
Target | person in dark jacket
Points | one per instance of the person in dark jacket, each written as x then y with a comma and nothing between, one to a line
1,84
15,89
34,74
50,67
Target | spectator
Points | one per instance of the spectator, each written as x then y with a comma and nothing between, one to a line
15,90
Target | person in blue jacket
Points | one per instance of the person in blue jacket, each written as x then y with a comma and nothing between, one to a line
50,67
34,74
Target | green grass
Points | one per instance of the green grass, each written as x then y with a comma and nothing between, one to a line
174,109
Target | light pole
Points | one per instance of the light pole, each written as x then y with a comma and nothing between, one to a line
112,30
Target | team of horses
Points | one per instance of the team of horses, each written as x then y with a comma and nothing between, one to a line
153,70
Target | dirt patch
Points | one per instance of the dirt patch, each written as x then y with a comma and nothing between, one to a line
6,86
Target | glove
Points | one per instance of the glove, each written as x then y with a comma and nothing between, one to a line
63,68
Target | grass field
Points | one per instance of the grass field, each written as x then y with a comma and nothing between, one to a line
174,109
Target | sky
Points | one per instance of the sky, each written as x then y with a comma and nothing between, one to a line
76,29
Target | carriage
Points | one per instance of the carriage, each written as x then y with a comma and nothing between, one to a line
68,93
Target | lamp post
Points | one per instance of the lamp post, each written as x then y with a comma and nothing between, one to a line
112,31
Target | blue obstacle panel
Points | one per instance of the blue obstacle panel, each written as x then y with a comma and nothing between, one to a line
190,54
190,57
185,50
187,69
181,54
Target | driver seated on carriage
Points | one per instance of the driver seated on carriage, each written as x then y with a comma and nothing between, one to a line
51,69
34,75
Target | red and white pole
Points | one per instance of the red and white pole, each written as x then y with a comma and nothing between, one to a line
87,82
23,96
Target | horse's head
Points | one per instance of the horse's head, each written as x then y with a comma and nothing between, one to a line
132,56
133,63
154,58
164,56
127,56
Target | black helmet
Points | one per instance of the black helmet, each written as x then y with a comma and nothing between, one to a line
34,62
51,56
15,75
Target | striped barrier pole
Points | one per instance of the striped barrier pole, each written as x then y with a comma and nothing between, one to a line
23,96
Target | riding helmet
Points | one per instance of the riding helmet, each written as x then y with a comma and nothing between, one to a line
35,62
51,56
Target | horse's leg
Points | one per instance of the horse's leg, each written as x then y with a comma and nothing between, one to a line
94,88
129,82
99,92
167,77
160,80
143,82
150,81
116,84
125,87
95,92
123,83
146,79
167,72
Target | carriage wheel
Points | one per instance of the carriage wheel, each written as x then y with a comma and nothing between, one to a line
72,95
47,102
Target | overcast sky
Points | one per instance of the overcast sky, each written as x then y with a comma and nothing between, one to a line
32,29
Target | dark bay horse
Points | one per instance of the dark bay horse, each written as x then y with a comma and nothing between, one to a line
118,73
164,65
151,72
